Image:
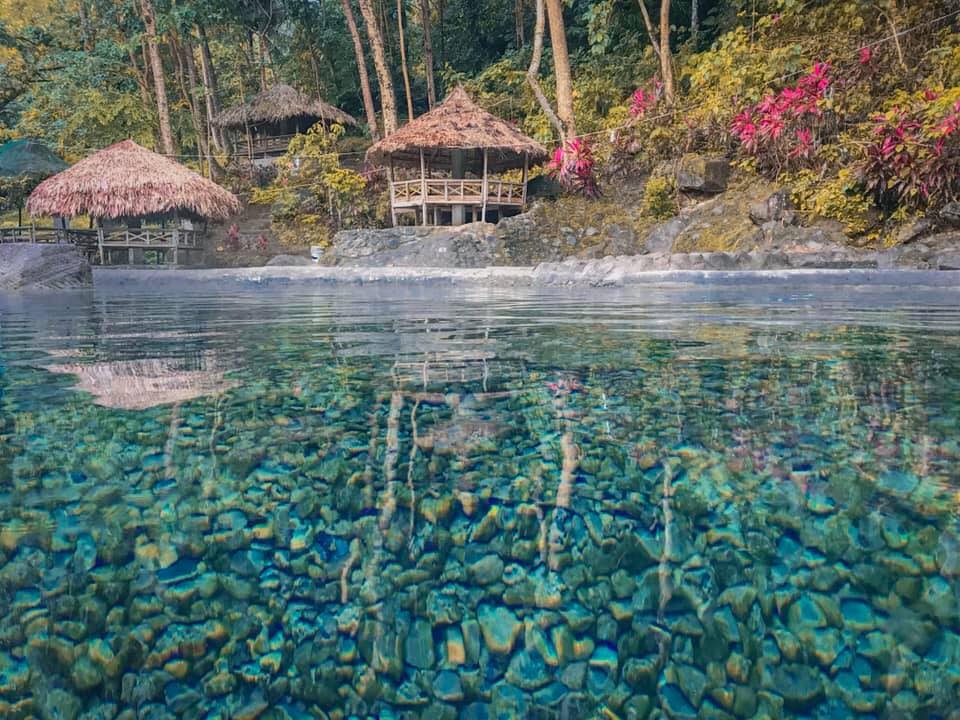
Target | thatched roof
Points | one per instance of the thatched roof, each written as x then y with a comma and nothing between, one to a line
458,123
280,103
126,180
29,158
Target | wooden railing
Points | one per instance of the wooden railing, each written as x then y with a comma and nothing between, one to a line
29,234
270,145
446,191
151,238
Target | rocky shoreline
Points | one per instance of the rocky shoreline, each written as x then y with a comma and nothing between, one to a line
612,272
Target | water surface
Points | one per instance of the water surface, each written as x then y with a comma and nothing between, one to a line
682,501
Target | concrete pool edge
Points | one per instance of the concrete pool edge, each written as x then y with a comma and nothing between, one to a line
587,274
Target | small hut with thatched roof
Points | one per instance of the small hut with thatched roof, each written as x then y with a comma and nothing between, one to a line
453,140
142,202
23,164
274,116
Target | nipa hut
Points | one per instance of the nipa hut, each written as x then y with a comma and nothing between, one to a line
273,117
442,148
141,202
23,164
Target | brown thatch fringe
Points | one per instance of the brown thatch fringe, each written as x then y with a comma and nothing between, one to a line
279,103
126,180
458,123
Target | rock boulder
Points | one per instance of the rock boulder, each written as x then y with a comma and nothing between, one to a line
26,266
776,208
699,173
466,246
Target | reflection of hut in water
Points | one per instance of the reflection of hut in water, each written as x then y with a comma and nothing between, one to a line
141,384
271,119
142,202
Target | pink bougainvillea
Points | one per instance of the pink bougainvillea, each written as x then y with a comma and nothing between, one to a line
573,166
781,129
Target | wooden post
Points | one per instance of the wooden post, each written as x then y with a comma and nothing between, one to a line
176,244
100,242
393,207
485,189
423,187
457,172
526,161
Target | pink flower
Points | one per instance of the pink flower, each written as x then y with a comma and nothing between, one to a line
866,55
930,95
641,102
804,146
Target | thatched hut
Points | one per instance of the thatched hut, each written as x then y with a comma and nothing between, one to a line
124,188
273,117
23,164
456,139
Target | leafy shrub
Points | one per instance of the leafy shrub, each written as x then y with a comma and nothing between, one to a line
659,198
573,166
784,129
914,159
836,198
312,190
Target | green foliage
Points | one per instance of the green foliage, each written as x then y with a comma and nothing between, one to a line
312,189
834,198
659,198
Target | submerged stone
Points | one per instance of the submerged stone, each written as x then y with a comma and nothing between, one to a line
500,628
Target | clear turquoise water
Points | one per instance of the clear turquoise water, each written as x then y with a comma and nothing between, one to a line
682,501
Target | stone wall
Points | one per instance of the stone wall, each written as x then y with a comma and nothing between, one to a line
466,246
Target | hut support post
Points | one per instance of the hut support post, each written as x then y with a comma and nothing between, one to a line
457,168
526,172
100,243
423,187
486,188
393,207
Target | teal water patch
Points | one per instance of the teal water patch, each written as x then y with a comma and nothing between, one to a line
693,502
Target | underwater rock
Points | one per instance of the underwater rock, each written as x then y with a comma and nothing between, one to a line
500,628
800,686
419,645
486,570
527,670
447,687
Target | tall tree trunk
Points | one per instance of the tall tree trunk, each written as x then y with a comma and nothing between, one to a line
443,35
186,74
428,52
388,101
211,93
368,105
264,61
561,68
203,120
661,45
159,82
695,21
666,57
534,70
403,59
85,33
518,23
648,23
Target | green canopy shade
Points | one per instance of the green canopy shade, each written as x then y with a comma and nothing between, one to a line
29,158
